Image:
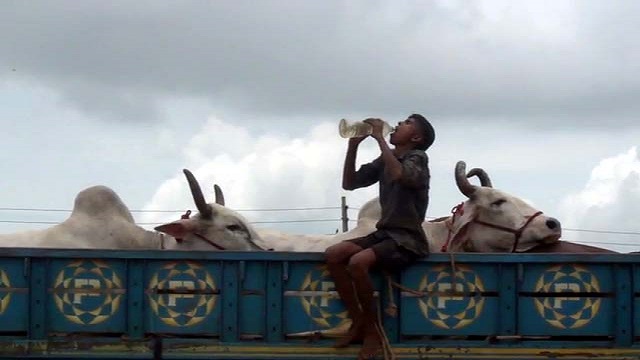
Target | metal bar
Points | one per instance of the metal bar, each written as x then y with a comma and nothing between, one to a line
155,291
12,290
230,301
285,271
274,302
624,300
508,299
37,299
26,270
135,299
345,215
281,256
243,266
328,293
447,293
100,291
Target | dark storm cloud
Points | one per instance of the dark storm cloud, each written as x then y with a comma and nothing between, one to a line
289,58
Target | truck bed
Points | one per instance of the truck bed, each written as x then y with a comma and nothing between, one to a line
96,304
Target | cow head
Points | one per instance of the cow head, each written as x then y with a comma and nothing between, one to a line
494,221
215,227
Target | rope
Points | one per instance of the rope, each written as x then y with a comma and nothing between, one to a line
392,307
455,211
386,345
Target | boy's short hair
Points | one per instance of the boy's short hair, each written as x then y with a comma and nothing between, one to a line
428,134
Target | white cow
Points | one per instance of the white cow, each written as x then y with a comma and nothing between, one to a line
488,221
100,220
491,220
282,241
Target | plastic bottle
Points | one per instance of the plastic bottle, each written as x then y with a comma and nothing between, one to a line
350,129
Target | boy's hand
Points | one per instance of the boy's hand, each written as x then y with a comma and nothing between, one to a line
377,125
354,141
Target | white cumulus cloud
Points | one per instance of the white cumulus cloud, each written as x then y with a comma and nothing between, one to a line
608,205
256,172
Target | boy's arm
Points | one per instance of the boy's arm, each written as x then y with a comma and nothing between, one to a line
349,168
392,164
367,175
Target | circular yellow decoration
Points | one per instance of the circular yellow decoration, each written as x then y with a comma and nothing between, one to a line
451,311
182,309
83,292
317,306
567,312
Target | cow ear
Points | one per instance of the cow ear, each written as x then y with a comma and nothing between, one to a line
178,229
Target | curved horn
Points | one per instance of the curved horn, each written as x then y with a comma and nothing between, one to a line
198,198
219,194
482,175
461,180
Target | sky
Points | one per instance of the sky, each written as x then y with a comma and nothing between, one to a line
541,94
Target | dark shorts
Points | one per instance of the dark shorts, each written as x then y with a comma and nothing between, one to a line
389,255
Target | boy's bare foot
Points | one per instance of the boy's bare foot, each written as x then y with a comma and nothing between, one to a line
354,334
372,345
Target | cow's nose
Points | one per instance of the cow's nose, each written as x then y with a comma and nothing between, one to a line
552,223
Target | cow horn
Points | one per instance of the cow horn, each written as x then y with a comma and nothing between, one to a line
198,198
219,194
482,175
461,180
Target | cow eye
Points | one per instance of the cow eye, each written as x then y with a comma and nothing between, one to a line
234,227
498,202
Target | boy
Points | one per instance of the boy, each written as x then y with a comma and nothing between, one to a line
403,176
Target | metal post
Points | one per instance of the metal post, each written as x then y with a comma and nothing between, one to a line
345,216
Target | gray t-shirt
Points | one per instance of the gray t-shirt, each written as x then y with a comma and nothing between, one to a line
404,202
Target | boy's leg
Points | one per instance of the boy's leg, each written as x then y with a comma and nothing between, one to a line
359,266
387,255
337,257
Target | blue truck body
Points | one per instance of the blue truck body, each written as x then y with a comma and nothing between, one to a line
94,304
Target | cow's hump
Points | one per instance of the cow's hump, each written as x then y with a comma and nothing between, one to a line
100,201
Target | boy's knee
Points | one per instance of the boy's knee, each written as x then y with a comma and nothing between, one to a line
332,254
359,264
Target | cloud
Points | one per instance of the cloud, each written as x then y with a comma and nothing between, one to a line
546,61
276,170
265,172
609,201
